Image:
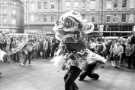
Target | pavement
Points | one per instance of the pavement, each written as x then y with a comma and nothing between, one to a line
43,75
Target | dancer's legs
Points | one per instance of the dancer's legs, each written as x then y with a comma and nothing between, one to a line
70,77
89,70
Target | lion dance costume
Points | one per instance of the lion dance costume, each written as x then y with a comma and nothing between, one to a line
73,54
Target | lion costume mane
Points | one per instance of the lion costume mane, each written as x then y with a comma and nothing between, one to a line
71,29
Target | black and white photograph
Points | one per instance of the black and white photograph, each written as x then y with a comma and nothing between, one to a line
67,44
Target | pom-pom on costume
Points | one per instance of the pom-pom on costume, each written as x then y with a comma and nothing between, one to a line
70,30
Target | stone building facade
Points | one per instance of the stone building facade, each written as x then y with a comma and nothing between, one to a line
11,16
115,15
41,15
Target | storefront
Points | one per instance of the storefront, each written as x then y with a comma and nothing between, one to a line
44,29
118,30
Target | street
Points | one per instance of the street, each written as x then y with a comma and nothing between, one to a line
43,75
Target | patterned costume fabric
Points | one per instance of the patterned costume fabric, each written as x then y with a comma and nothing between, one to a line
70,30
72,25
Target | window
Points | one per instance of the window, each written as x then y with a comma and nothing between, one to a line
123,19
93,4
115,5
109,4
132,4
76,4
67,4
39,5
52,18
0,20
131,18
13,12
108,18
45,19
93,19
45,5
124,3
32,7
15,3
52,6
5,21
32,18
5,1
13,21
51,0
116,18
5,10
134,18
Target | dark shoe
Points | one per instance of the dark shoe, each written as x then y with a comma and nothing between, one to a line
80,79
94,76
117,67
129,67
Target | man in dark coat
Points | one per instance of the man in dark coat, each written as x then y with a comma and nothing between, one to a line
72,74
27,50
132,42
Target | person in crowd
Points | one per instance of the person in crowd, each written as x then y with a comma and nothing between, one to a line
54,47
133,57
15,56
3,44
91,61
11,43
0,74
45,48
123,54
41,48
129,51
93,44
2,55
111,53
27,50
107,50
100,48
48,48
38,49
132,38
132,42
116,52
72,74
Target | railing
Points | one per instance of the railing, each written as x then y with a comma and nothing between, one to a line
113,31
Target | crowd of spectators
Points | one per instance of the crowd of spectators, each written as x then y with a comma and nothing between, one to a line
119,52
41,47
